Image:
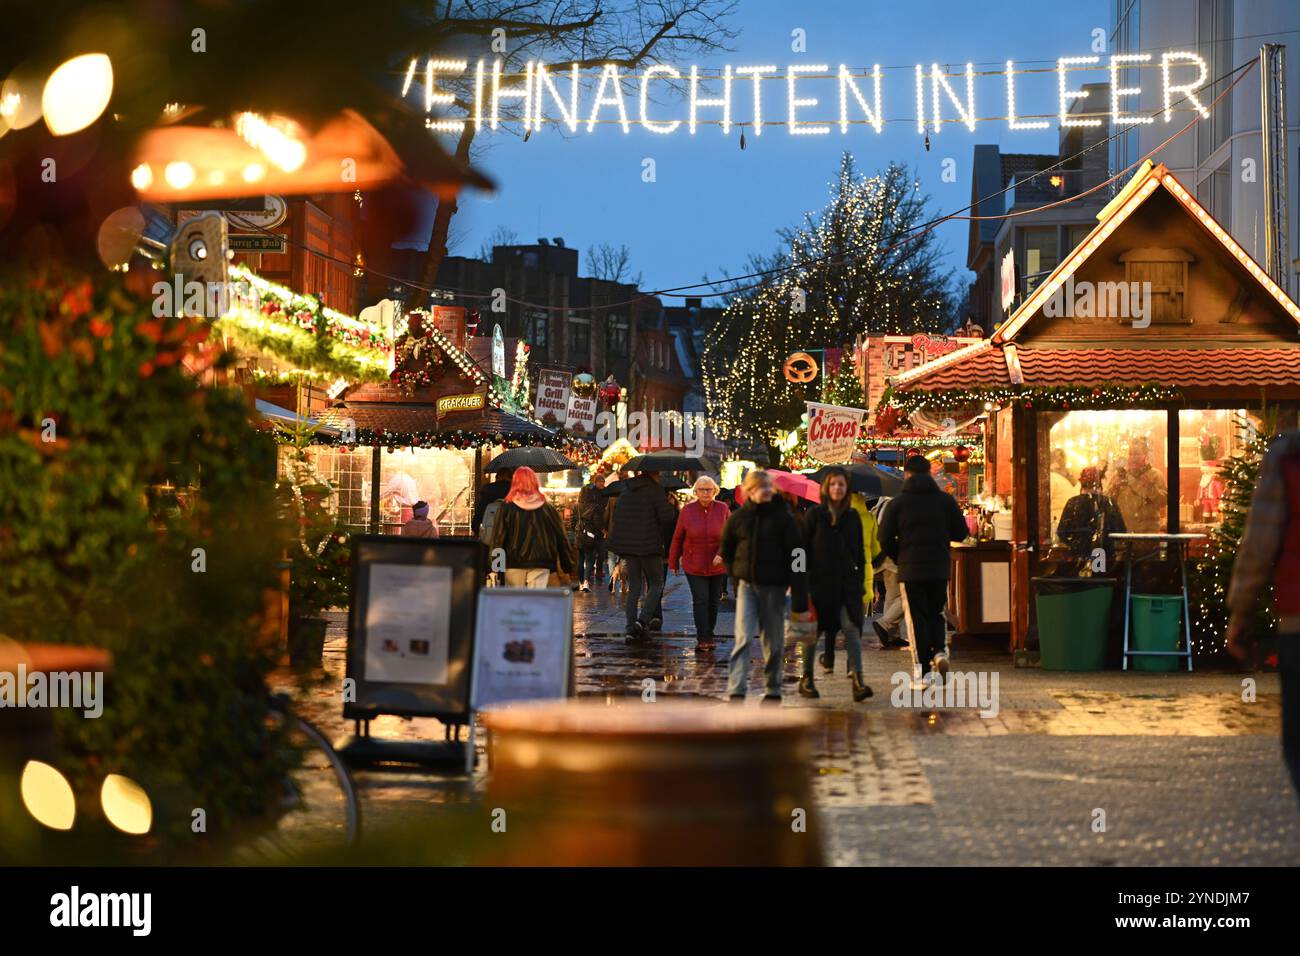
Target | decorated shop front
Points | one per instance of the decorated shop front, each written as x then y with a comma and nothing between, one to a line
424,435
1137,370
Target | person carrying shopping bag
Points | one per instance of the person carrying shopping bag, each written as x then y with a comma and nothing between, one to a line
761,547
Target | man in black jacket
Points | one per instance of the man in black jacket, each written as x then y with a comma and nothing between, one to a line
590,530
641,521
916,531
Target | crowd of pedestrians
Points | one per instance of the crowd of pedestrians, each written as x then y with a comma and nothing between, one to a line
785,558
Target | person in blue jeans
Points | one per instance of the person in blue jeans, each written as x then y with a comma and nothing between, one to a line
762,545
642,521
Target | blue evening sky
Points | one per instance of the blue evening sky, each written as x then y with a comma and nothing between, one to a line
714,204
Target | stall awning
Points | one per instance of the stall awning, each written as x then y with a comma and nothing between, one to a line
1174,368
283,416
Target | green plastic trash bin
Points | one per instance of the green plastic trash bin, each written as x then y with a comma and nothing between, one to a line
1073,622
1157,626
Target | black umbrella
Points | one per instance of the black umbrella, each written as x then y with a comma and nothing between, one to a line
869,480
614,488
667,483
537,458
671,461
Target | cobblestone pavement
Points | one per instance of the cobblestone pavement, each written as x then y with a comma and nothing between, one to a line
1184,770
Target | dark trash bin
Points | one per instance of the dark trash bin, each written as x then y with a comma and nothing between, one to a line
1073,622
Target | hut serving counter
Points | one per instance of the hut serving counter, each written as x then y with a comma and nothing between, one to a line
979,590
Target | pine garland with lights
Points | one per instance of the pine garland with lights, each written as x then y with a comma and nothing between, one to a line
1044,398
577,449
1211,573
846,270
299,331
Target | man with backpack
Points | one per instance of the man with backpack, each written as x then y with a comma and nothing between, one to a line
490,492
642,521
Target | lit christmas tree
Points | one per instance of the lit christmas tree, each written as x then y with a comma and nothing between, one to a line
1212,573
843,388
863,263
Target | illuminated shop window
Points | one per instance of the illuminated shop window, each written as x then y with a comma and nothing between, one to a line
1206,439
440,476
1127,448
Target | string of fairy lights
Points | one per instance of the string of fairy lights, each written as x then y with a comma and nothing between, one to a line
809,302
853,240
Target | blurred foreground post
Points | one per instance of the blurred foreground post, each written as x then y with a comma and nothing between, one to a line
651,784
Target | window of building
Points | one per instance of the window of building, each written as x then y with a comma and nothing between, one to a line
579,344
536,325
1213,28
1042,254
618,335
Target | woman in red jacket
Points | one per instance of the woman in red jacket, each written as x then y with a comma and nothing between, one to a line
695,550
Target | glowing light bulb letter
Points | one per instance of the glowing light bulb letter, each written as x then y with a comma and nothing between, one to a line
410,75
434,97
1116,91
724,101
500,93
1185,88
478,96
920,98
757,72
645,98
569,116
794,102
874,115
965,112
1069,95
1011,103
608,74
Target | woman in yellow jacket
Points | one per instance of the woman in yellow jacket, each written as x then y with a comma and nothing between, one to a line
870,545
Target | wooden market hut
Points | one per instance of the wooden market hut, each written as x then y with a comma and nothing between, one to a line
428,438
1081,375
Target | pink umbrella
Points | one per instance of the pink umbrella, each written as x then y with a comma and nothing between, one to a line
792,484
